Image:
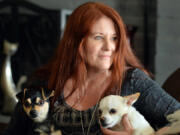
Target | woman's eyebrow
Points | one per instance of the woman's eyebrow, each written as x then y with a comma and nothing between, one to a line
94,33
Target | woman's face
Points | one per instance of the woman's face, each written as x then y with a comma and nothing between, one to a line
100,45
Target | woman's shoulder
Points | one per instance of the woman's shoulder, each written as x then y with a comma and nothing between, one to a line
134,78
136,73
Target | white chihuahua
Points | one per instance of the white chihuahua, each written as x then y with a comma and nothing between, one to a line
113,107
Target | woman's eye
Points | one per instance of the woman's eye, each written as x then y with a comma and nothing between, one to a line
98,37
114,38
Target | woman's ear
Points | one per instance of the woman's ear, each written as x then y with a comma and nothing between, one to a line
131,99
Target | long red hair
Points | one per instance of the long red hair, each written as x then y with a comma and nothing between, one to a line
68,61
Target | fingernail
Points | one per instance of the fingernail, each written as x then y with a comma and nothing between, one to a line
125,115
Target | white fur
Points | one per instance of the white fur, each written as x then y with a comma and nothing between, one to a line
122,106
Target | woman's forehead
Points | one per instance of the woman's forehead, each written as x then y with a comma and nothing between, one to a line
102,26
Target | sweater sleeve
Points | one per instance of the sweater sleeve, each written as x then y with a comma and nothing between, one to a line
154,103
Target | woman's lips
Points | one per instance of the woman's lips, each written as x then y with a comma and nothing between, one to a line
105,56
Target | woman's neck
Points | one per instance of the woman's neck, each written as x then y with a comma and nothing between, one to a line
94,86
97,81
96,74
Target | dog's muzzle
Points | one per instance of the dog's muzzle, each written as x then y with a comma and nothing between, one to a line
103,121
33,114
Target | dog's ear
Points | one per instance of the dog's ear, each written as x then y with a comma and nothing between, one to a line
46,93
21,95
131,99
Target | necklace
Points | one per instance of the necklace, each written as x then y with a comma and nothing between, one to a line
89,126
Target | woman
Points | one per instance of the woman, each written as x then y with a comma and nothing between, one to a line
93,60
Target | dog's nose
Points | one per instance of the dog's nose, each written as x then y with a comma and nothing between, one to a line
103,121
33,113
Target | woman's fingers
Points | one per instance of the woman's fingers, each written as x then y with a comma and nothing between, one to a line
161,131
110,132
128,130
127,125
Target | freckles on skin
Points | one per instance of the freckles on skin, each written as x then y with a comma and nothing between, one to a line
100,44
92,54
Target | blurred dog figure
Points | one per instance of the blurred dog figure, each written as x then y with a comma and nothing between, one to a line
113,107
36,103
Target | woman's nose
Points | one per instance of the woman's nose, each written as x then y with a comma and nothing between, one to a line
108,44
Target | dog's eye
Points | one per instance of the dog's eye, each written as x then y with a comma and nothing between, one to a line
100,112
41,102
27,104
112,111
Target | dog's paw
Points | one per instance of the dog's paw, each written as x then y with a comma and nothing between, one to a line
57,132
41,132
174,116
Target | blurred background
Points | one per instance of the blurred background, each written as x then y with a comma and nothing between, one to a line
31,29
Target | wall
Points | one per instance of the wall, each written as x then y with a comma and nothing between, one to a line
68,4
168,39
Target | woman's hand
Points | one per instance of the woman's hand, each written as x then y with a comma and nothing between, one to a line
128,130
161,131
